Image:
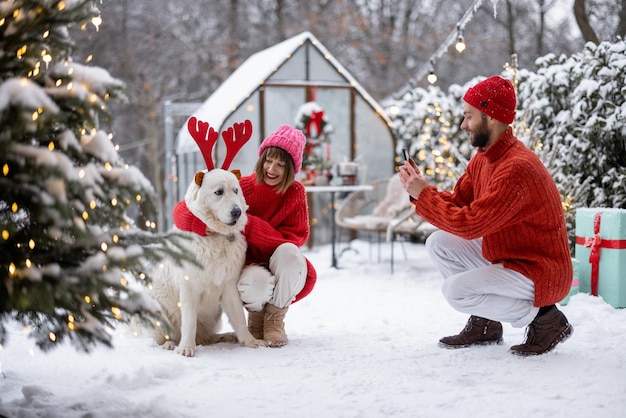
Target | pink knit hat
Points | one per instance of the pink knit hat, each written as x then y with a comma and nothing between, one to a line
288,138
495,97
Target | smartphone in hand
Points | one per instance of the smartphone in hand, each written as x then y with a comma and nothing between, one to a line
405,153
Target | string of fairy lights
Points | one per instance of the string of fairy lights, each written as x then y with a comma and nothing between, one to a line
454,37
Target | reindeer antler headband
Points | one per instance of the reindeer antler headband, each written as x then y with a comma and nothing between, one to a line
205,136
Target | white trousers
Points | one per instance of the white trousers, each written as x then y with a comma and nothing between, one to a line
278,283
474,286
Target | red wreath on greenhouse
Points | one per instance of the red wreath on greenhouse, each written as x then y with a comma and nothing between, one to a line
311,119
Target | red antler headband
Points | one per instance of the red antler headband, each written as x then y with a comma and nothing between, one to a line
205,136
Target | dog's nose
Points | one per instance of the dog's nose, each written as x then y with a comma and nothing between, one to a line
235,212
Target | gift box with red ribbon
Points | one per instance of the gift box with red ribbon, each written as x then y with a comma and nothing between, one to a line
601,252
575,283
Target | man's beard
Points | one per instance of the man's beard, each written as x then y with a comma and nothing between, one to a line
481,135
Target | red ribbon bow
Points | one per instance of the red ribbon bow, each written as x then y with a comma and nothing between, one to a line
316,120
595,243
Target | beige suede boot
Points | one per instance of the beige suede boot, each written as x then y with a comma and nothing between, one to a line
274,327
255,323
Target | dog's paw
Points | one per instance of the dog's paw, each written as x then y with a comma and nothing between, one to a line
186,351
254,343
168,345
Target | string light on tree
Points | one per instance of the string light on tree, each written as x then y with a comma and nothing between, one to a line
97,21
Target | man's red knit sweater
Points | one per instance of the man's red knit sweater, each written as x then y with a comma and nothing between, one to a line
273,219
508,198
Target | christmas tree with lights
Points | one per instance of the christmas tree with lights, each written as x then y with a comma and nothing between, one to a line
427,123
72,262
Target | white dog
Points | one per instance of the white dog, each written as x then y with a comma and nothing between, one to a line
192,298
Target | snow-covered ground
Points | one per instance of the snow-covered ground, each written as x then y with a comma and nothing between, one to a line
363,344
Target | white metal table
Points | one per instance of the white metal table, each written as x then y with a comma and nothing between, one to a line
333,190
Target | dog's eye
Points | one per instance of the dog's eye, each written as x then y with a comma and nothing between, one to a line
219,192
236,191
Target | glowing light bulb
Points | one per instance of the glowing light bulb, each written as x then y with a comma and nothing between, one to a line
21,51
460,44
432,77
46,56
97,21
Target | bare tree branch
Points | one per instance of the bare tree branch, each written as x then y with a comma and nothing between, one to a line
589,35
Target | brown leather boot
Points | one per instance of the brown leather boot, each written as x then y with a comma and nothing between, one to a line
274,327
477,331
544,333
255,323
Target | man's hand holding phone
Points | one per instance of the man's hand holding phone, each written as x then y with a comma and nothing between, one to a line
410,176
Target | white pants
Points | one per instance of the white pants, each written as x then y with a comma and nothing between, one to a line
474,286
277,284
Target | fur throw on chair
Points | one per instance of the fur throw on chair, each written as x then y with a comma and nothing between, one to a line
396,199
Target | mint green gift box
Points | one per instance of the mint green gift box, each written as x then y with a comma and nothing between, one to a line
611,236
575,283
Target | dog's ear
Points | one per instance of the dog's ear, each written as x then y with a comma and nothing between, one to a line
191,195
198,178
237,173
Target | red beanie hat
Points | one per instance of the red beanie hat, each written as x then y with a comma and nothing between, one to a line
495,97
290,139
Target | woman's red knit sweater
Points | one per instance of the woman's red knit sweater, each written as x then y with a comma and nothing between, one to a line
508,198
273,219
